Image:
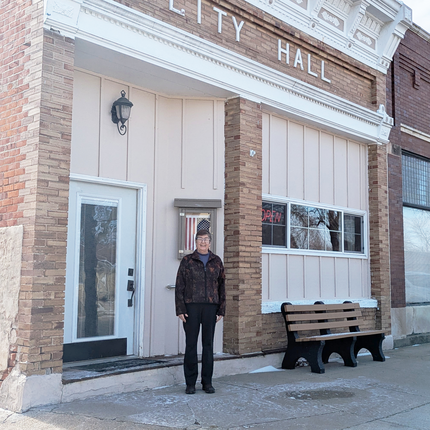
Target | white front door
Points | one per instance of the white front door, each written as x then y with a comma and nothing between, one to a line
101,271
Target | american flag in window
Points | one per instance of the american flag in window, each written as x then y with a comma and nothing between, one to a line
193,223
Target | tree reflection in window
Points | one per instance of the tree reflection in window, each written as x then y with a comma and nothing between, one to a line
315,228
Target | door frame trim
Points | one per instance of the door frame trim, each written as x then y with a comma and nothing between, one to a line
139,314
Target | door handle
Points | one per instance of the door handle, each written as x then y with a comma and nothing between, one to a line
130,287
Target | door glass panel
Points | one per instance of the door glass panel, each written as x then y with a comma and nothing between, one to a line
97,269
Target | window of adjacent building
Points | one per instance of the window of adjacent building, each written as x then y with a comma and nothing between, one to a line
305,227
416,227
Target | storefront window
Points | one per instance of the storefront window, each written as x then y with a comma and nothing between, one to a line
297,226
416,225
416,228
273,224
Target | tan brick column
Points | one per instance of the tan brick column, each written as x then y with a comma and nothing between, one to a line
242,244
41,307
379,235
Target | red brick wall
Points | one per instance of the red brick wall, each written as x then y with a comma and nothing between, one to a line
36,105
379,235
408,92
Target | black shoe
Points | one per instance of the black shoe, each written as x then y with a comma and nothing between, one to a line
191,389
208,389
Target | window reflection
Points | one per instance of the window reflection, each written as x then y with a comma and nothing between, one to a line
97,269
416,224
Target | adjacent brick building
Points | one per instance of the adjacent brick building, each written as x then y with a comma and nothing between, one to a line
240,108
408,92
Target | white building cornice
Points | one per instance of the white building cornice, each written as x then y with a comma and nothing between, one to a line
126,31
367,30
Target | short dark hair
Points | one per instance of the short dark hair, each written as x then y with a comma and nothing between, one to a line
204,232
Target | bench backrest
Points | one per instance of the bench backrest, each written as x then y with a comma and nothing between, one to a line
321,318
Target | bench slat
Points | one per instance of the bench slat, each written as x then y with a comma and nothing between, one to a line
323,316
312,308
324,325
339,335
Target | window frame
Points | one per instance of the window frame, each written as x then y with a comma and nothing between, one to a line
190,206
278,249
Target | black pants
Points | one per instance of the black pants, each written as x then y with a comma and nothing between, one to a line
204,314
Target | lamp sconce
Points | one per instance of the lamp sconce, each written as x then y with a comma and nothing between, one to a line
121,113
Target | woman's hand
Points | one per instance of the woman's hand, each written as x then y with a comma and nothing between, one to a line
183,317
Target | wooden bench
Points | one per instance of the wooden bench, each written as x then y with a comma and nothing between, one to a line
309,334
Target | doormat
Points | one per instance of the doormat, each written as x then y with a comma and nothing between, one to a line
117,365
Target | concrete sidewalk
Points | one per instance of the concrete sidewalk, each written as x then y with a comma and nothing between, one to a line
390,395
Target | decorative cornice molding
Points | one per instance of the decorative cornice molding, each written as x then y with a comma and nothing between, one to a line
384,31
97,19
414,132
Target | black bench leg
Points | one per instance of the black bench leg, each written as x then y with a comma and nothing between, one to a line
343,347
373,343
311,351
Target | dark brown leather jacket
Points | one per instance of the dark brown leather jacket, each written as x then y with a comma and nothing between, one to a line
194,284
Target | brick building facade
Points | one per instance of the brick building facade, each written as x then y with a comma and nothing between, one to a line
284,107
407,102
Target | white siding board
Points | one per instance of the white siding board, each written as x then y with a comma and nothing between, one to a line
312,165
278,156
355,278
278,277
266,153
85,124
354,176
265,265
113,146
312,277
327,185
340,172
327,277
295,160
198,146
342,278
141,133
296,281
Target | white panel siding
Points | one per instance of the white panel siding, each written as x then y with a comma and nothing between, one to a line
355,184
266,153
265,278
278,277
141,146
176,147
295,161
312,165
340,172
296,279
278,156
312,277
355,275
113,146
327,185
198,146
325,169
342,278
327,278
85,124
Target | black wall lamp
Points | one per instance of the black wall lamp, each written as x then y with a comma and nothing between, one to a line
121,112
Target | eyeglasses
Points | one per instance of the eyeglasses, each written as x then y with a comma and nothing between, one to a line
203,239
